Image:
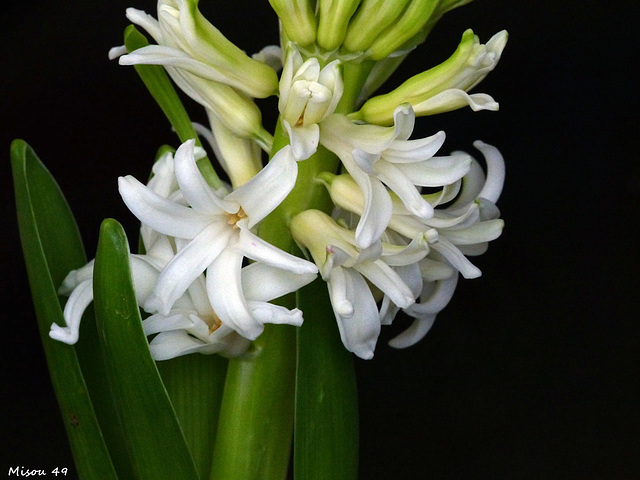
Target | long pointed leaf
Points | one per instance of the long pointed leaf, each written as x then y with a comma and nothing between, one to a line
52,247
326,419
155,440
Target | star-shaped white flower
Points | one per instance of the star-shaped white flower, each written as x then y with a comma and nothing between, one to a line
214,234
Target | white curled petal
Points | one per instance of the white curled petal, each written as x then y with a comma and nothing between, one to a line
264,282
115,52
157,212
77,303
268,313
224,287
453,99
271,55
144,274
414,150
194,187
337,286
456,258
75,277
359,332
404,120
405,189
477,233
167,345
264,192
437,297
412,335
146,21
387,280
437,171
185,267
164,323
495,171
258,249
304,139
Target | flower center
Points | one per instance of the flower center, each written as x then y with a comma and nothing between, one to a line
234,218
215,323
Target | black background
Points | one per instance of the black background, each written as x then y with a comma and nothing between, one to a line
531,372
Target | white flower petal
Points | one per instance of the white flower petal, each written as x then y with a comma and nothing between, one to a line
77,303
437,171
268,313
402,186
359,332
224,287
164,323
388,281
453,99
172,344
194,187
304,139
186,266
157,212
412,335
264,192
257,249
264,282
495,171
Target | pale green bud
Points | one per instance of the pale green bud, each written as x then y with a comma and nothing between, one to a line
409,24
333,19
298,20
443,87
372,17
184,27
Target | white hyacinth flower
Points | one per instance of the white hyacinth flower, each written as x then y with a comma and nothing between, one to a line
383,157
214,233
308,95
349,271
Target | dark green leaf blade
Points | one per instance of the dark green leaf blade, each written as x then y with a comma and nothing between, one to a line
326,419
52,247
155,440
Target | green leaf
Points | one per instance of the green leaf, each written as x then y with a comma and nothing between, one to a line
326,418
256,419
159,85
52,247
155,441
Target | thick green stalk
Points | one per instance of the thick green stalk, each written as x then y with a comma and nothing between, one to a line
256,418
255,429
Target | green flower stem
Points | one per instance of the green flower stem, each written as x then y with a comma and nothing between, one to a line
256,418
255,429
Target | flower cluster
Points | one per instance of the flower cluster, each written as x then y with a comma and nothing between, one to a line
403,218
